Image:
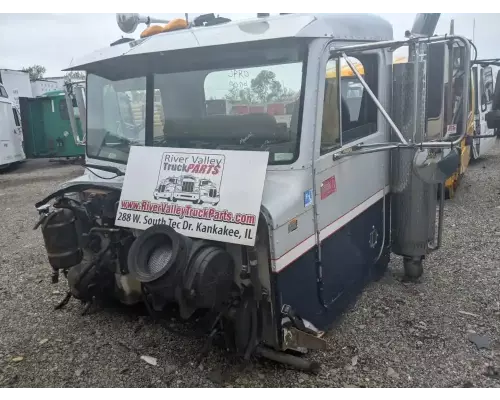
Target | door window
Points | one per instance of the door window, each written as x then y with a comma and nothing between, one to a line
16,117
350,114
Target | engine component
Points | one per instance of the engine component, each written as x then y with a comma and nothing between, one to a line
174,268
93,278
154,253
155,259
101,204
207,279
61,239
80,280
128,289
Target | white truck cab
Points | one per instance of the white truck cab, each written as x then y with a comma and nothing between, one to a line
11,135
273,228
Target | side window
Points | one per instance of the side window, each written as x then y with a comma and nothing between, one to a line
471,99
16,118
330,129
488,84
3,92
482,91
63,110
435,76
351,114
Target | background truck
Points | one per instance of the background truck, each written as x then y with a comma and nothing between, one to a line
47,127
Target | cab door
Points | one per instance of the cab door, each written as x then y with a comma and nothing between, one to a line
350,192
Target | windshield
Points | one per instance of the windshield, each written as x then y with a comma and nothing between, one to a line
252,103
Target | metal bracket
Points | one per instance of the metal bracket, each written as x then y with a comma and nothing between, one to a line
295,339
342,52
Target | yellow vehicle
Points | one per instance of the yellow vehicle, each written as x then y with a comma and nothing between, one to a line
465,147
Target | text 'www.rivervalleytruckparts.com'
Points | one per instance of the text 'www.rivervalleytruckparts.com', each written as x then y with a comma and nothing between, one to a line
164,210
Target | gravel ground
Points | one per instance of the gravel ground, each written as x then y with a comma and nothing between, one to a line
396,335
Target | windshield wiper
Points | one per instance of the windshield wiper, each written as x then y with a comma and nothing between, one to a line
106,168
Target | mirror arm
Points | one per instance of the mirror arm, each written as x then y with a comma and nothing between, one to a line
483,136
362,148
433,39
351,152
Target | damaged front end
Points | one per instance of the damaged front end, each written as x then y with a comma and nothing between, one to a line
226,287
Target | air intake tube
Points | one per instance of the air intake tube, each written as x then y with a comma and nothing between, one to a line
196,274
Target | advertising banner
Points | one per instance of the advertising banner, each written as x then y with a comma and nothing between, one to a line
206,194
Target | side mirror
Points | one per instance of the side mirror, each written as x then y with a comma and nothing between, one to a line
432,167
493,119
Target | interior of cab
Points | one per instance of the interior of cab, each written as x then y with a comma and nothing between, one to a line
358,111
186,122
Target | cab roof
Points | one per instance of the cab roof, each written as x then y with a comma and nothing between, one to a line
348,27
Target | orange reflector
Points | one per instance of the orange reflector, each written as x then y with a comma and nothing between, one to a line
152,30
175,24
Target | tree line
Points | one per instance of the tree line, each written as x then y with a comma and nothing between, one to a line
37,72
264,88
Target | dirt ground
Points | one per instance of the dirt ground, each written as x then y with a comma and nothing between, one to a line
397,334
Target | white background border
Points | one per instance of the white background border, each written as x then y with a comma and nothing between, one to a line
149,7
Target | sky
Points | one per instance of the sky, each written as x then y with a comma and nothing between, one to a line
53,40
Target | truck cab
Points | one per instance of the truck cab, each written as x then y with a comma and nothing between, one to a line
186,189
209,192
350,177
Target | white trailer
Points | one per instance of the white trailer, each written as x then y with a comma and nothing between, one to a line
17,84
11,138
42,86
